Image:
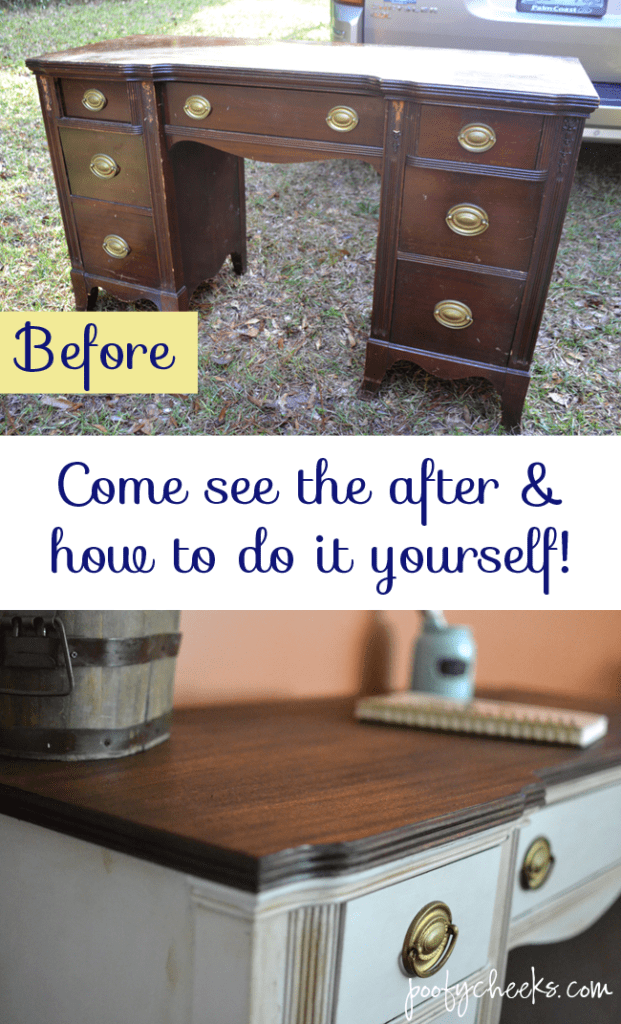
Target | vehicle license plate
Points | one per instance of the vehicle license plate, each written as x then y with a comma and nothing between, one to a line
573,8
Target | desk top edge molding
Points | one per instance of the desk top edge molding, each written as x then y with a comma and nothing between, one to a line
561,82
38,792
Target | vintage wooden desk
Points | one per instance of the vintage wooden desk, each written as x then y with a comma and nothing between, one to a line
476,151
266,863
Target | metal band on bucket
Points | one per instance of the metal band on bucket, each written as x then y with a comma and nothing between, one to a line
69,744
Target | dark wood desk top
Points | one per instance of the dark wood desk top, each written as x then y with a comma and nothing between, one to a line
254,795
404,70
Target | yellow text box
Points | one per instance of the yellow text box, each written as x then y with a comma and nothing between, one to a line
98,353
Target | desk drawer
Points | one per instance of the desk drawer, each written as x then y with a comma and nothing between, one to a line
494,137
97,222
584,834
492,302
99,101
285,113
510,209
373,985
106,165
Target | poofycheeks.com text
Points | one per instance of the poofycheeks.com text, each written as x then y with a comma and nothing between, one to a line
457,996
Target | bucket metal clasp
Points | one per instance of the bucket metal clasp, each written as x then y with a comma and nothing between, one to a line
35,641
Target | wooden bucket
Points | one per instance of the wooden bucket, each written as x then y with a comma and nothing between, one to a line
84,685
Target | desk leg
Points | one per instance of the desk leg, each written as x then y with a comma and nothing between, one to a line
85,298
375,367
239,258
512,397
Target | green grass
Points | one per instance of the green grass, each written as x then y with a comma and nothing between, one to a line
296,367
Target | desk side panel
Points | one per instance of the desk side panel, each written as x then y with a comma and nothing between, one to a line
89,935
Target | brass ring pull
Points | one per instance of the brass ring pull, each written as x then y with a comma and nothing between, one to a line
94,100
342,119
104,166
537,864
197,107
467,219
477,138
429,940
116,246
453,314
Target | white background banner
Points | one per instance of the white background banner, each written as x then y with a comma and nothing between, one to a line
402,522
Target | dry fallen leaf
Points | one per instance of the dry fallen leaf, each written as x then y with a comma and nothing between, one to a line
559,399
60,403
141,427
7,413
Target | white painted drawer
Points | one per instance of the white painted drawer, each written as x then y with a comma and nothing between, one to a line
373,986
459,1015
585,835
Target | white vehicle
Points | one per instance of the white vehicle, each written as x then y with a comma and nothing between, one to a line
587,29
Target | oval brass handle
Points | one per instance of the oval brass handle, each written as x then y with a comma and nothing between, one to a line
116,246
537,864
197,107
467,219
453,314
342,119
93,99
429,941
477,138
104,166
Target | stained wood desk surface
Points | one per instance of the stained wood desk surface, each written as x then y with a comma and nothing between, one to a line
255,795
512,73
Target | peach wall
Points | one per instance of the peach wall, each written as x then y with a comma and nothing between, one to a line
247,655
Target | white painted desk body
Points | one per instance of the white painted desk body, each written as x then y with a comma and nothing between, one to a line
476,151
283,864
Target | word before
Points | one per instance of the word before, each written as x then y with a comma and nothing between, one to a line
39,356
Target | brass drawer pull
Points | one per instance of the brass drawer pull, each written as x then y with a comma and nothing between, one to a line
116,246
453,314
103,166
537,864
93,99
477,138
429,940
342,119
467,219
197,107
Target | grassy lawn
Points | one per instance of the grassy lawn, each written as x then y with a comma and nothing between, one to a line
282,349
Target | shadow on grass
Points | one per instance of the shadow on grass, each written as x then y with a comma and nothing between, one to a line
601,158
38,5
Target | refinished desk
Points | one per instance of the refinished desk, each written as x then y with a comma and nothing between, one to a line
476,151
265,864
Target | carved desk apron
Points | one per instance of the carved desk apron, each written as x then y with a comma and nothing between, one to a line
476,152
